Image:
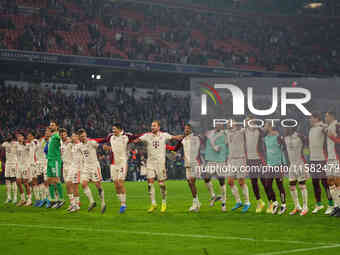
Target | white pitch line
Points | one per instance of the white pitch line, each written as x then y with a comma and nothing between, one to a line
300,250
166,234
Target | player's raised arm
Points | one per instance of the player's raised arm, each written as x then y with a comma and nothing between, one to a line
177,137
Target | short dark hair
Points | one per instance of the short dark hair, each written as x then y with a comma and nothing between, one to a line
317,115
80,131
118,126
31,132
62,130
188,125
10,138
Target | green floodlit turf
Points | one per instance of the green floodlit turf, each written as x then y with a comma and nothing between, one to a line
52,231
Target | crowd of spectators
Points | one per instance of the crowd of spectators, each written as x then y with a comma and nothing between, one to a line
174,35
32,108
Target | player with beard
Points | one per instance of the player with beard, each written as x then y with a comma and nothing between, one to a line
156,149
54,166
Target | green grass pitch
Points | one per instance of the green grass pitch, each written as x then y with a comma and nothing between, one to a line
53,231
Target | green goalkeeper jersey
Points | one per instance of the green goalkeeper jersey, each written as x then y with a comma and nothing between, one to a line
54,147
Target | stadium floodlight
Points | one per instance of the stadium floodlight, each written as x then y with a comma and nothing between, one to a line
98,77
314,5
92,76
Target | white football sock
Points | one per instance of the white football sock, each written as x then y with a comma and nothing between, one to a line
210,188
15,190
224,193
294,194
304,193
76,201
70,197
88,193
8,188
245,192
123,199
236,194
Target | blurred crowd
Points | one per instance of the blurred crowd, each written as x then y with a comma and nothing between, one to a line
174,35
32,108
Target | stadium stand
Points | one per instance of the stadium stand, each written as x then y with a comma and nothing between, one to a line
173,34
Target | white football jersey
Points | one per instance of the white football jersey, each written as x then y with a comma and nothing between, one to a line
332,155
77,158
252,142
156,146
316,143
294,146
119,148
11,152
32,149
21,154
236,143
40,154
66,153
89,151
191,148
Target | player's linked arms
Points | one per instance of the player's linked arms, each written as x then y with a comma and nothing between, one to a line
137,141
178,137
106,147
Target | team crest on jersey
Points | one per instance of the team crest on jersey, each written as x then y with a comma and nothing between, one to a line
155,144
